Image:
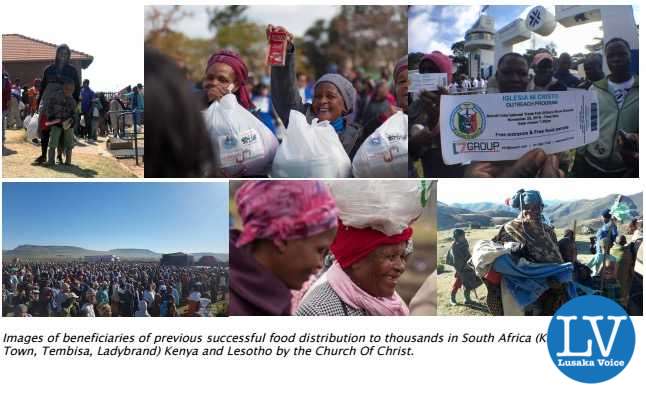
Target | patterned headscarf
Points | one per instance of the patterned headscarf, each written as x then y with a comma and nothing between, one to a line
282,209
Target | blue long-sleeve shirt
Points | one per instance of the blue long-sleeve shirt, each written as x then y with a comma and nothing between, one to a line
87,95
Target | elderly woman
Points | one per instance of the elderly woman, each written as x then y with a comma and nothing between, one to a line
334,98
288,227
226,73
537,244
366,265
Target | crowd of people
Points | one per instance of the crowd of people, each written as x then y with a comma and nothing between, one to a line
527,270
65,110
128,288
614,154
355,103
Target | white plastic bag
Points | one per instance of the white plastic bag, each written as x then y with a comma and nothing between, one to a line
388,206
310,151
244,145
384,154
32,127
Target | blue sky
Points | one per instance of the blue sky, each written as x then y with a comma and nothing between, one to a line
438,27
161,216
479,190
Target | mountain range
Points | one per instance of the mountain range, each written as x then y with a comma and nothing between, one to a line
560,213
25,251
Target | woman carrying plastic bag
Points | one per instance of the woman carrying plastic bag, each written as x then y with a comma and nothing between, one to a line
245,146
334,97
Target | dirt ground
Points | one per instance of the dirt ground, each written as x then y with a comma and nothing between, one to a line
446,277
89,160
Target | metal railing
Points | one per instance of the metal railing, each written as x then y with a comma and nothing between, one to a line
121,130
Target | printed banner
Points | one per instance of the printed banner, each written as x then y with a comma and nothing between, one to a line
504,126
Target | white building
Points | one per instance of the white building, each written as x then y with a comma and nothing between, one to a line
479,44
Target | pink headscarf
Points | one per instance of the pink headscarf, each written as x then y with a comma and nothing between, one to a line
441,61
239,68
281,209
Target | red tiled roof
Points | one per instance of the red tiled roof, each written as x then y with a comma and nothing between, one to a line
19,48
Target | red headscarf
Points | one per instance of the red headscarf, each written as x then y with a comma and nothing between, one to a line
353,244
441,61
239,68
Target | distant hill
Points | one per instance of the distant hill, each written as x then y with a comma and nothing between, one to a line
484,206
134,253
560,213
565,213
49,250
44,251
449,217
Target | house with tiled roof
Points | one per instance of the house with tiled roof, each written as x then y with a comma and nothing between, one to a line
26,58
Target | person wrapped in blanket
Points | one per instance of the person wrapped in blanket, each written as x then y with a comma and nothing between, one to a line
60,109
534,271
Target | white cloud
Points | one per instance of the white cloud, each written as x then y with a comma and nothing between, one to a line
427,34
438,27
454,191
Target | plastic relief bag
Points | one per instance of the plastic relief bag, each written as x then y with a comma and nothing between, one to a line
244,145
384,154
388,206
310,151
32,127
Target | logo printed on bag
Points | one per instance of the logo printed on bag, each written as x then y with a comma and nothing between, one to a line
249,138
229,142
467,120
375,140
591,339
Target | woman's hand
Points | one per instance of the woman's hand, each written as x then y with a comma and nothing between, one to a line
215,92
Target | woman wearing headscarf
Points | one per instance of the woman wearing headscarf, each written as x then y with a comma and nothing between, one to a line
361,281
51,85
226,73
400,93
334,98
288,227
424,114
537,243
